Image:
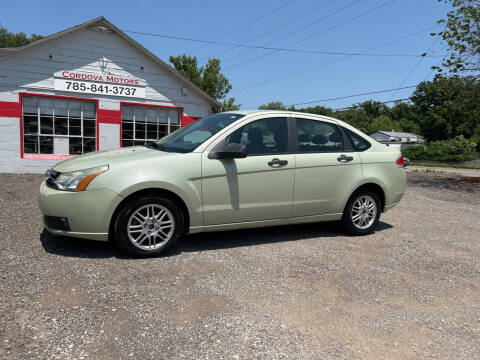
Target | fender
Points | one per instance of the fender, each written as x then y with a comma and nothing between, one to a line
362,182
161,173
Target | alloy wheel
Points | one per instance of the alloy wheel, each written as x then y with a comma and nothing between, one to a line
150,226
364,212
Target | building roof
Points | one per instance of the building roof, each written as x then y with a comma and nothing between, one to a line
398,134
104,22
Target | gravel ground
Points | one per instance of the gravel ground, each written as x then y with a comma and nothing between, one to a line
455,171
410,290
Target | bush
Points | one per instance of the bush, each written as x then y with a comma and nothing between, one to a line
453,150
415,152
476,139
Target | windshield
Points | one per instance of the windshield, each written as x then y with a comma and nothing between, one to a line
189,137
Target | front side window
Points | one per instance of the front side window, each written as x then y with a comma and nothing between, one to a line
318,136
58,126
188,138
261,137
143,125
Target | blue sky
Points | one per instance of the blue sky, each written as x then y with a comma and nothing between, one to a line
332,26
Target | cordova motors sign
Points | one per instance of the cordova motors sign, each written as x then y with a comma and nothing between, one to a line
99,84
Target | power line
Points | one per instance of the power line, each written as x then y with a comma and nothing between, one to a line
276,28
303,51
377,102
246,25
281,77
354,95
317,34
414,68
300,29
345,22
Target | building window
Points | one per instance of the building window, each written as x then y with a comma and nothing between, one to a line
58,126
142,125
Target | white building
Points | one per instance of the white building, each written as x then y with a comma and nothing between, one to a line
90,87
393,137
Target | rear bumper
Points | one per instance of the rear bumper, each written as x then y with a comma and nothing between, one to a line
83,214
396,185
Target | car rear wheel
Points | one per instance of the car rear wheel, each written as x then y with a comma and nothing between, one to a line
362,213
148,225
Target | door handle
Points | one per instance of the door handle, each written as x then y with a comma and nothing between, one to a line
344,158
277,162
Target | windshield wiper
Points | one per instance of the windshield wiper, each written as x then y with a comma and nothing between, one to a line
154,145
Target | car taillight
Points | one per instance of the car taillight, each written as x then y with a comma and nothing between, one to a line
400,162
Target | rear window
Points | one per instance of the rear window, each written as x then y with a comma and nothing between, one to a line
358,142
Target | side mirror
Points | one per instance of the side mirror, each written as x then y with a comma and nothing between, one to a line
228,151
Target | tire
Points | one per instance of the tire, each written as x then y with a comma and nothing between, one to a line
138,233
365,222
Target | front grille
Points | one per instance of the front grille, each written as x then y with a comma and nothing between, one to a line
56,223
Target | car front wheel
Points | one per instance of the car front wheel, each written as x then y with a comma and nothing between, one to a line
362,213
148,225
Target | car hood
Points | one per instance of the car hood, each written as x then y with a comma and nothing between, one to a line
108,157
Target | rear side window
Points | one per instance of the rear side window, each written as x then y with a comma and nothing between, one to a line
358,142
318,136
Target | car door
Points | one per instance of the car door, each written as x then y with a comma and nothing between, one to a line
325,170
258,187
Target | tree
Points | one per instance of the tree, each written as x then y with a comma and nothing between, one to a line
9,39
318,110
409,126
476,137
229,105
274,105
373,108
214,82
462,35
448,107
208,77
384,123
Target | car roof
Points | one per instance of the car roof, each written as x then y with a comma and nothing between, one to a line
283,112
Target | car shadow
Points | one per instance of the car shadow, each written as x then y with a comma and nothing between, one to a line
82,248
76,247
266,235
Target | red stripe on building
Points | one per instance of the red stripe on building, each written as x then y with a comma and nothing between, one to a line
109,116
47,156
10,109
189,119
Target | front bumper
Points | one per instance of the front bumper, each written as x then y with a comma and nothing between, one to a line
88,212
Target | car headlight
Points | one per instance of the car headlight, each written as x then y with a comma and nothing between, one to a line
77,180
